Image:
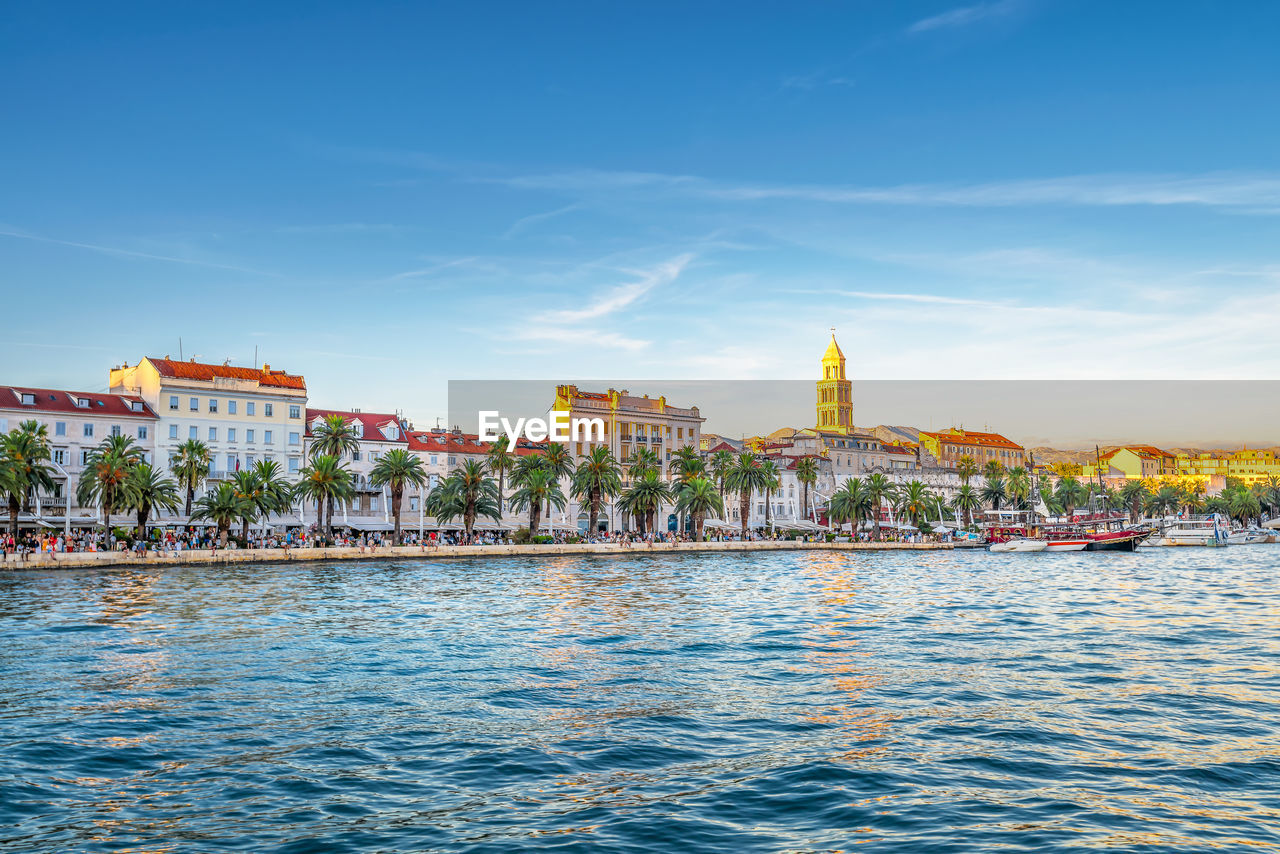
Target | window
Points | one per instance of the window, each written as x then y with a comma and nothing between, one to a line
293,465
173,431
231,407
268,410
59,428
433,459
231,434
266,436
88,431
232,463
248,435
191,432
295,411
28,399
213,434
213,405
413,503
142,431
294,439
173,402
82,402
355,456
248,408
249,459
373,456
84,457
373,503
60,456
194,404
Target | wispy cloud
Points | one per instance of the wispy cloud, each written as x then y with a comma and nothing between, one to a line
526,221
816,80
129,253
620,297
964,16
429,271
936,299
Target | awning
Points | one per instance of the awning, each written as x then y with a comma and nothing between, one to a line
366,525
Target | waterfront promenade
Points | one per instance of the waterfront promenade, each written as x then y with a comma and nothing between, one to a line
79,560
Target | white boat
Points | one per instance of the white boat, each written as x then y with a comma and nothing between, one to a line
1019,544
1194,531
1250,537
1067,545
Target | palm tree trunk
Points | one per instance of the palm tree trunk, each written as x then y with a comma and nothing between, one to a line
744,509
142,525
877,512
595,512
13,516
535,517
244,531
328,525
191,494
395,511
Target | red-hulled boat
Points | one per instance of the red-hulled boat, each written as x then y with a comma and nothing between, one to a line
1103,532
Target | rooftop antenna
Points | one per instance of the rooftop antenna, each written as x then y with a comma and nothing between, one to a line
255,355
180,349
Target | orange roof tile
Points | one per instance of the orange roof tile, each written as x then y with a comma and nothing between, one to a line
205,372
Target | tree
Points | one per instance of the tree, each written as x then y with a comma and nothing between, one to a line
1071,494
807,475
146,490
397,469
642,462
499,461
334,437
246,484
106,469
557,460
1243,505
697,497
643,498
468,493
323,481
913,501
222,506
1018,483
190,465
540,487
967,468
993,468
1134,494
746,478
879,489
25,468
994,492
597,477
850,503
1166,500
275,493
967,501
773,480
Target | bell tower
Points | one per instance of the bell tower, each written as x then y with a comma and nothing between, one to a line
835,392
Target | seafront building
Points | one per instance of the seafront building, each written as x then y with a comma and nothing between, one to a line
369,509
950,445
631,422
76,422
241,414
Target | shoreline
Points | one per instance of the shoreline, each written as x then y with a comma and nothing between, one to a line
195,557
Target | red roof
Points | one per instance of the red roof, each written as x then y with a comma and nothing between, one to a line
201,371
721,446
51,400
371,422
970,437
449,442
1146,452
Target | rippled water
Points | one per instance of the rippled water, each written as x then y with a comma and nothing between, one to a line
791,701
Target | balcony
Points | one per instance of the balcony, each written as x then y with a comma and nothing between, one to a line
640,437
657,440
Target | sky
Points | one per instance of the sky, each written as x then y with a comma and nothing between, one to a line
384,196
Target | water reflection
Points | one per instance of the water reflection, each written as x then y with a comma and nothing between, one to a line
742,702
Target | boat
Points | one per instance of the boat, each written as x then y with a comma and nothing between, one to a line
1100,532
1207,531
1019,544
1250,537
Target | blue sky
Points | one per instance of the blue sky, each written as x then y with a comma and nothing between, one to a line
387,196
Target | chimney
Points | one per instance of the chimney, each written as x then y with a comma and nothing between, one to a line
266,369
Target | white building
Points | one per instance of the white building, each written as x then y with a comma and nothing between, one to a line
77,422
369,509
241,414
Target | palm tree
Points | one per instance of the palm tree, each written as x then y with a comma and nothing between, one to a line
967,501
807,475
333,437
1071,493
994,492
557,460
323,481
773,480
967,468
596,478
913,500
468,493
697,497
746,478
246,484
1133,494
642,462
721,462
190,465
540,487
275,493
686,464
1270,494
397,469
147,489
879,489
1165,500
993,468
499,461
222,506
25,468
1244,505
106,469
643,498
1018,483
850,503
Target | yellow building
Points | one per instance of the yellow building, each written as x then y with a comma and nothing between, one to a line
835,392
632,422
1134,462
1253,466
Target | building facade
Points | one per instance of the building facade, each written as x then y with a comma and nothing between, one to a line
835,391
378,433
77,422
950,445
242,415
